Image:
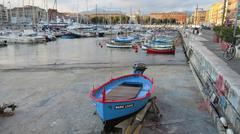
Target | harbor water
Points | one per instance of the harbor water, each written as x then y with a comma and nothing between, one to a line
83,51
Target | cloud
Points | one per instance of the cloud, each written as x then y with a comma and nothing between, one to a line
145,6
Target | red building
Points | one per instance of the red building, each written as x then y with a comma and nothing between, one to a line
180,17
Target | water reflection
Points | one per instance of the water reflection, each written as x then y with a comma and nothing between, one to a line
78,51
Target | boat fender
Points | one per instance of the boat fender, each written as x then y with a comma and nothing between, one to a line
223,121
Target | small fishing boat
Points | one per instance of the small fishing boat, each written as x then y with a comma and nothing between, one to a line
124,39
122,97
121,42
160,51
118,45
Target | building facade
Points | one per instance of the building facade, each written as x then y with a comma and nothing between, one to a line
103,13
199,16
215,14
53,14
3,15
180,17
232,11
106,14
27,14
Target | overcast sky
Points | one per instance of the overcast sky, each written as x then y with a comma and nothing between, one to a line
145,6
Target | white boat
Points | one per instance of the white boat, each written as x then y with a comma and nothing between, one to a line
23,39
118,46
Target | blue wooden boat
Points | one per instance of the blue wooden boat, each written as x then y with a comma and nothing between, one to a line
121,97
124,39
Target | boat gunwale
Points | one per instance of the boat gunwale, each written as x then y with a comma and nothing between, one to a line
159,51
92,92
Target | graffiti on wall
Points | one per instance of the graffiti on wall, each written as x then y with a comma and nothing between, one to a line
222,88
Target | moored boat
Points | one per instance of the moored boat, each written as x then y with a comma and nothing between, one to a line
121,97
70,35
160,51
121,42
118,45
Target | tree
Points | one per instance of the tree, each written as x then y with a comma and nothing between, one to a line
94,20
173,21
154,21
225,33
146,20
138,18
165,21
125,19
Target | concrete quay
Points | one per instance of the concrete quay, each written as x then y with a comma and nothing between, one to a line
220,83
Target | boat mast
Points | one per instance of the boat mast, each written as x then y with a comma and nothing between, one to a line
111,20
10,10
87,11
120,16
46,6
23,13
55,5
17,13
77,11
96,16
33,13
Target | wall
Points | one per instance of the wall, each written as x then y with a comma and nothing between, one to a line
218,80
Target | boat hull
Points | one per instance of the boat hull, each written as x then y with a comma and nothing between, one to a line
70,36
118,46
110,124
122,96
160,51
112,111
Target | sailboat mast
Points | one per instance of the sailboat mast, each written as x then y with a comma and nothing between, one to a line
121,16
33,13
10,10
46,6
77,12
111,20
96,15
23,13
56,5
87,11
